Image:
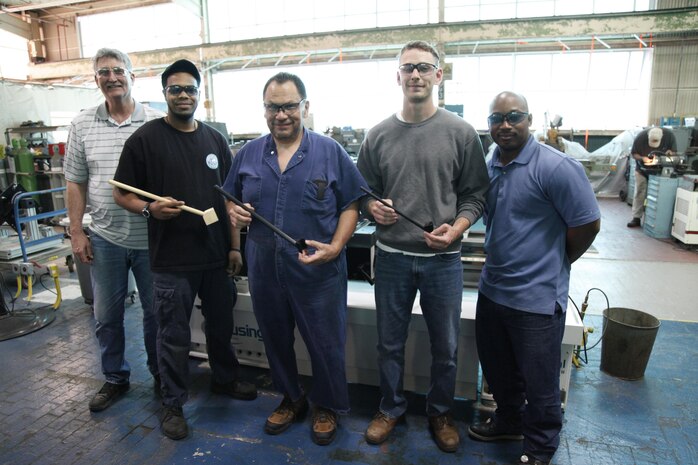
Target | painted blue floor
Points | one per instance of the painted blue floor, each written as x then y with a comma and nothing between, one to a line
48,377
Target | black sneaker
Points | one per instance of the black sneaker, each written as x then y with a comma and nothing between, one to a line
527,459
173,424
490,431
106,396
634,223
236,389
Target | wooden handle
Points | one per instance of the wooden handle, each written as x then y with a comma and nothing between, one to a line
147,194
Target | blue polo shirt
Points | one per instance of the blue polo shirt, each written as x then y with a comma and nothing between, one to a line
530,204
305,201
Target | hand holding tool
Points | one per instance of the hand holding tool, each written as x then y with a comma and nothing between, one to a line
429,227
209,215
299,244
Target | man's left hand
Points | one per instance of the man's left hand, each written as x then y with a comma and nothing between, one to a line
234,263
441,237
323,253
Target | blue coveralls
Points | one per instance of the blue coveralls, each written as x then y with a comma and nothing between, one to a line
305,201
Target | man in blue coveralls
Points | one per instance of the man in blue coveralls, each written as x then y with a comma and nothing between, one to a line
306,185
541,216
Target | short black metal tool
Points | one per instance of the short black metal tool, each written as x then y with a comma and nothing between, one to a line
299,244
429,227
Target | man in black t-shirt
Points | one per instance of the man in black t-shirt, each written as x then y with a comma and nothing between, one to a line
181,159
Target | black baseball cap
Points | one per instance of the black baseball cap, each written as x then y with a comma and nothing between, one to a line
181,66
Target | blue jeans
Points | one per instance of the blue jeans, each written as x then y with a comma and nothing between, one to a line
520,355
174,295
439,280
109,273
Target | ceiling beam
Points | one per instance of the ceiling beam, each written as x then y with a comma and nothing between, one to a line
658,22
11,23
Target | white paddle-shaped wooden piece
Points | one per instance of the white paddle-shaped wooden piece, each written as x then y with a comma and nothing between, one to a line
209,215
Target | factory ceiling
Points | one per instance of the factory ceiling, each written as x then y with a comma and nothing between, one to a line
571,33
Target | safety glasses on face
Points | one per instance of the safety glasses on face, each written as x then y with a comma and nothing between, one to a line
287,108
117,70
423,68
176,90
513,117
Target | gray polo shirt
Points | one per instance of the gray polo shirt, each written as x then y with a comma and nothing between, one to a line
94,146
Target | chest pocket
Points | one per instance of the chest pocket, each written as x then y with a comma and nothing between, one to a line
318,197
251,190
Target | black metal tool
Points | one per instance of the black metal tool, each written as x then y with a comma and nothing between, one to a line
429,227
299,244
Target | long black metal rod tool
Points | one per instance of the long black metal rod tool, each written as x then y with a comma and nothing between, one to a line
429,227
299,244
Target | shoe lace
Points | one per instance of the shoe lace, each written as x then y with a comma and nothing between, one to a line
324,416
173,412
442,420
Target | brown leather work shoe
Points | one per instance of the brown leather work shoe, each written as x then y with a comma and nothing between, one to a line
380,427
286,413
324,426
445,432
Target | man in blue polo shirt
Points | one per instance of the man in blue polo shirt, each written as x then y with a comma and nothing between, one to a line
541,216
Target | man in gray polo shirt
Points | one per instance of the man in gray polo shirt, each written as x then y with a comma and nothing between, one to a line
118,240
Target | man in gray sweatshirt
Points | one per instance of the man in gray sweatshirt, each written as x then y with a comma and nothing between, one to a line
430,165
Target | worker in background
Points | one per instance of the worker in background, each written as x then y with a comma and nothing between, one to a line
306,184
181,159
429,163
118,240
541,216
647,141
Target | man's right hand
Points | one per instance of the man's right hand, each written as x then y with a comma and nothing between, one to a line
82,248
239,217
381,213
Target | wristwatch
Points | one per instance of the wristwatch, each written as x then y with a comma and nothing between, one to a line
146,210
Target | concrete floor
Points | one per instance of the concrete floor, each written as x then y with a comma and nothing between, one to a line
48,376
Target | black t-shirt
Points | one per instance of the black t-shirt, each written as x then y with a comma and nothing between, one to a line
185,166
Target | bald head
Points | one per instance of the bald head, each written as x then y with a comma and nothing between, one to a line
509,123
508,96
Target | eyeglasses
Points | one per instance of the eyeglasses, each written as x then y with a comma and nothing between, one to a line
117,70
287,108
422,68
176,90
513,117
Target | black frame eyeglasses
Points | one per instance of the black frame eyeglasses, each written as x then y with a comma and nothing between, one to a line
191,91
422,68
287,108
117,70
513,117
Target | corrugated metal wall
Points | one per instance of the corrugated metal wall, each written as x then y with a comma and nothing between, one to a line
674,88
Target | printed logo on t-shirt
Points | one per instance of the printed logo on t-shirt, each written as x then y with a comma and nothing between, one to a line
212,161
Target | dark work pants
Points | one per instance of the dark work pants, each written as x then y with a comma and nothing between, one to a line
520,355
285,294
174,295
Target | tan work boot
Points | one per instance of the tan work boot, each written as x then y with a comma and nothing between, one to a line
380,427
286,413
445,432
324,426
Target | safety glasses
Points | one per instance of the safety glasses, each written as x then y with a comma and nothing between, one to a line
513,117
176,90
117,70
422,68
